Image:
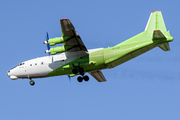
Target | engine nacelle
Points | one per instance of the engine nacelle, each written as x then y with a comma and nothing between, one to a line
57,40
56,50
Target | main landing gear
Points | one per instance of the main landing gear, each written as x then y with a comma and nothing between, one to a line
81,72
78,69
80,79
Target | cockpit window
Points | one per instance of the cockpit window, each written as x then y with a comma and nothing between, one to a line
18,65
21,64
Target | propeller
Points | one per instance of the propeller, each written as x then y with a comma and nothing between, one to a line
47,43
69,77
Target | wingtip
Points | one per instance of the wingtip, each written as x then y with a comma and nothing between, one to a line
155,11
63,19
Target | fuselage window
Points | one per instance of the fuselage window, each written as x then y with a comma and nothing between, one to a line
30,64
35,63
42,63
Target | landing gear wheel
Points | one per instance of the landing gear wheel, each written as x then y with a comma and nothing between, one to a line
80,79
82,74
31,82
86,78
81,70
74,71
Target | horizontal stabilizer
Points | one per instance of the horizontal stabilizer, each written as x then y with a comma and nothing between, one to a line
164,46
158,35
98,75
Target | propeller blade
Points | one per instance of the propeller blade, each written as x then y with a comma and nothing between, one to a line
69,78
48,46
47,36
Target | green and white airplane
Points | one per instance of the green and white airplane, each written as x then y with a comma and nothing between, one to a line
75,59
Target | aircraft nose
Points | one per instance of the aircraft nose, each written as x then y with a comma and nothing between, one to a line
13,77
7,73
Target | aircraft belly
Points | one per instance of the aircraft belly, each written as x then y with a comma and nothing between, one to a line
130,55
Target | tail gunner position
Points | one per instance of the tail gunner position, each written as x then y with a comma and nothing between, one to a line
75,59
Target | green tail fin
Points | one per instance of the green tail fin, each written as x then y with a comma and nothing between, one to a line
155,31
156,22
156,26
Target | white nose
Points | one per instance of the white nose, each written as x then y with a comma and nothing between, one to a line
7,73
13,77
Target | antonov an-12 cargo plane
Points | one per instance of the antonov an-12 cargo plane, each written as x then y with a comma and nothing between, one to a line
75,59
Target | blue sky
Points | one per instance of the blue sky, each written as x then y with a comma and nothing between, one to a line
145,88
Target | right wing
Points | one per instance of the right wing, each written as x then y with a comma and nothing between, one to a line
98,75
74,41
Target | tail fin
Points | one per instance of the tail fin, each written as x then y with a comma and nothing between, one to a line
157,28
155,32
156,22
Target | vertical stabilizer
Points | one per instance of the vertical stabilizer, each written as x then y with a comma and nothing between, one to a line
156,22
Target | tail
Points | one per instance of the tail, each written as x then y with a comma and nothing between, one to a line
157,28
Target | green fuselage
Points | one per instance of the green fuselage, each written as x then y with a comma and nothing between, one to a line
113,56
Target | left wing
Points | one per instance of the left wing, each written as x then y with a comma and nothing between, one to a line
74,40
98,75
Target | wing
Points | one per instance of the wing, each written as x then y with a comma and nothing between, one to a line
98,75
74,39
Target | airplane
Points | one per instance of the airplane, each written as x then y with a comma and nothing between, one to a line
75,59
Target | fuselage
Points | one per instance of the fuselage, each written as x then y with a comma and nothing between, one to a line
94,59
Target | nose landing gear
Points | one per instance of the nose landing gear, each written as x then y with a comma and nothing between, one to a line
31,82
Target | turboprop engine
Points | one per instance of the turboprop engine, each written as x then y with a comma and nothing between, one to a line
56,50
54,41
